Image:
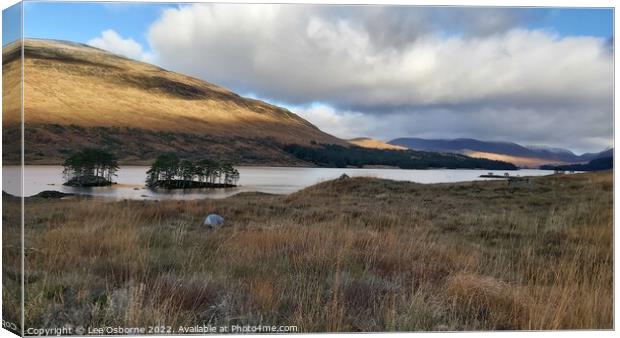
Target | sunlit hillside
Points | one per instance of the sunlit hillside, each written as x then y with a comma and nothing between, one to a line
75,95
373,143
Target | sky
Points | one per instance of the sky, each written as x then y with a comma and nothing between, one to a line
536,76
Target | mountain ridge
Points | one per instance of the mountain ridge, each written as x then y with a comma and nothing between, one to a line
525,156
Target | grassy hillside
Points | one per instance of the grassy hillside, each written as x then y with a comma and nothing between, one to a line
68,84
358,254
330,155
374,144
51,144
521,161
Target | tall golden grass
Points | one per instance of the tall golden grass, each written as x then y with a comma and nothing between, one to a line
358,254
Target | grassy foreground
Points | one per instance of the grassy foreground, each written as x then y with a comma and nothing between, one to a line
358,254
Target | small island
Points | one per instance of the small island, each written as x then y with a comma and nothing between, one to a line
170,172
90,168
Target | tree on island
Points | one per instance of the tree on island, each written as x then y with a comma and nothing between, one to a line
168,171
90,167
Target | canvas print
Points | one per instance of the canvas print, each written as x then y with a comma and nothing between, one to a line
196,168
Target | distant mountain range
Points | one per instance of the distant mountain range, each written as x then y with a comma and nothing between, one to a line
523,156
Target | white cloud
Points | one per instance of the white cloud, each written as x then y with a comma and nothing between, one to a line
386,63
298,53
345,124
112,42
487,124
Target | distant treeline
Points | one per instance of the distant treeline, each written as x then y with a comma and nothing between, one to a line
603,163
325,155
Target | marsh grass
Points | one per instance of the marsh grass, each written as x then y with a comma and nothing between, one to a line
359,254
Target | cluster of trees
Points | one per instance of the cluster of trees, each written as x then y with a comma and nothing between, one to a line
329,155
96,167
169,171
90,167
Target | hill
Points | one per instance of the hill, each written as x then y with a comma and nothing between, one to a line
598,164
366,142
331,155
593,156
76,95
530,156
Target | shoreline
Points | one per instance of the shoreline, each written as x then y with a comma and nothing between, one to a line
163,193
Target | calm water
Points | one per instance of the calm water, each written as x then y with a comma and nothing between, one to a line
274,180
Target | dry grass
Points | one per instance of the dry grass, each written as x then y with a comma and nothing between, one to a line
358,254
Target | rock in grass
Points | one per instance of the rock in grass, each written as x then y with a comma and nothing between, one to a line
214,221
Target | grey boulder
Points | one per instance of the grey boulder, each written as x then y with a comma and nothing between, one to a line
214,221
